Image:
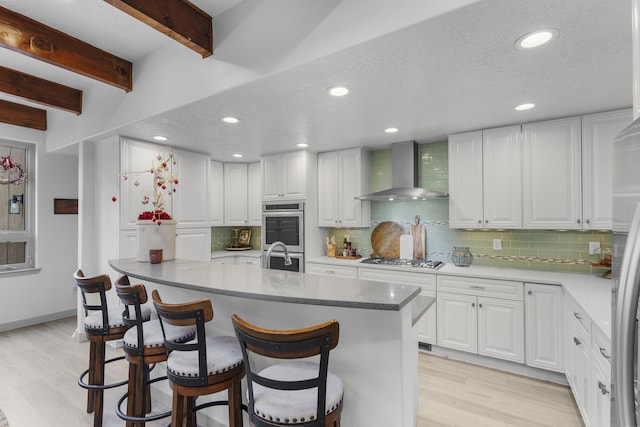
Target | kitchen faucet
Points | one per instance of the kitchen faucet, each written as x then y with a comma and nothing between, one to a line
287,258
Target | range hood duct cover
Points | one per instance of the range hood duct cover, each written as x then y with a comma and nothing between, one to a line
404,176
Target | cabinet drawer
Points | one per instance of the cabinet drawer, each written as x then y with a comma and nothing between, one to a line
247,260
332,270
574,311
426,280
482,287
601,347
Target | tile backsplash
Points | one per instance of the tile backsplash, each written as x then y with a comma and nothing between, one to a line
530,249
221,237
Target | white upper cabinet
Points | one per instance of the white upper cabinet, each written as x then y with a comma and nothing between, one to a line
343,175
598,132
216,194
137,158
485,179
635,51
254,196
551,178
235,194
284,176
190,204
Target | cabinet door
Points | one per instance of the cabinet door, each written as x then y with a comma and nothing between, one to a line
249,261
601,397
427,325
271,177
465,180
137,159
457,323
544,327
235,194
193,243
216,193
578,366
331,270
351,212
502,177
598,132
294,175
328,188
254,196
501,329
191,205
551,174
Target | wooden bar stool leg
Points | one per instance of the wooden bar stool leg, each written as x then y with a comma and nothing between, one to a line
176,409
139,397
235,403
190,414
92,376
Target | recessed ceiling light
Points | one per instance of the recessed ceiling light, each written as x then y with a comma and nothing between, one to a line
237,155
338,91
302,145
160,138
523,107
230,120
391,130
537,38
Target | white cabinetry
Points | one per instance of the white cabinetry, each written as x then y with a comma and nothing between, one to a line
481,316
551,178
331,269
193,243
427,328
235,194
254,196
343,175
601,375
284,176
191,204
216,193
598,132
544,326
635,51
485,179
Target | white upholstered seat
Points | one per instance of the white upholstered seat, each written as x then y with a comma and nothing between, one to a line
223,354
94,319
152,334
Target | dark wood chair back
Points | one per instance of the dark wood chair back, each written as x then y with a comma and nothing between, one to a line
94,285
186,314
288,344
133,296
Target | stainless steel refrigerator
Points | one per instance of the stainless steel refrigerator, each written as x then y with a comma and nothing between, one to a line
626,278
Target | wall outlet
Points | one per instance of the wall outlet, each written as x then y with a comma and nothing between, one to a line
497,244
594,248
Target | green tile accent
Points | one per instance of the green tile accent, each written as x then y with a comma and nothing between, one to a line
221,237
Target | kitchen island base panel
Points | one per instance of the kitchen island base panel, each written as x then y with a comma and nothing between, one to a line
376,356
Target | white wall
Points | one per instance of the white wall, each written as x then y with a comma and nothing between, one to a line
28,298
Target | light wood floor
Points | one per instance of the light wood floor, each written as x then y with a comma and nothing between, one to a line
39,367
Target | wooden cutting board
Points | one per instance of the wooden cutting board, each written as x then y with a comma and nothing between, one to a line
385,239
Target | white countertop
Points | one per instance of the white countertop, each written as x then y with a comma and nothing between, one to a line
592,293
271,285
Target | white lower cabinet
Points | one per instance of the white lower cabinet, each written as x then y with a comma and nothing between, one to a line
247,260
601,398
332,270
544,326
427,325
481,316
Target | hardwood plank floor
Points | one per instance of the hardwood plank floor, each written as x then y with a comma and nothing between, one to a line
39,368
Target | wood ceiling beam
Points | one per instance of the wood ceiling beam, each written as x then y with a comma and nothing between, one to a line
40,90
22,115
178,19
24,35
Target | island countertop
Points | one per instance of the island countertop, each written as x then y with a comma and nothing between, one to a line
271,285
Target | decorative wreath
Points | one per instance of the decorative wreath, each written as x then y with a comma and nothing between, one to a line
11,172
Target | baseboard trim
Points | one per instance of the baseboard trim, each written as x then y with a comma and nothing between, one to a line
37,320
502,365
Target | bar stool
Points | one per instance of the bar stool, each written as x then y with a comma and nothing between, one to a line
202,366
300,393
101,324
143,346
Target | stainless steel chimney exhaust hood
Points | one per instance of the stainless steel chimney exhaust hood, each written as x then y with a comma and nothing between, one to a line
404,176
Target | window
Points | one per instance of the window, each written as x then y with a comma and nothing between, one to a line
16,212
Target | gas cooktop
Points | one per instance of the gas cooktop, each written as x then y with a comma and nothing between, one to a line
402,262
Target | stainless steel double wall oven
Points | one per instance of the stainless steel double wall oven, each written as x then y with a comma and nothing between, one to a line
284,222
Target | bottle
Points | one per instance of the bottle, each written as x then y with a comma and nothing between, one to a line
345,245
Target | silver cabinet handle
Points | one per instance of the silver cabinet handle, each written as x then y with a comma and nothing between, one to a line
479,221
602,387
602,352
480,305
576,341
476,287
577,315
587,221
486,221
530,292
473,304
329,271
578,221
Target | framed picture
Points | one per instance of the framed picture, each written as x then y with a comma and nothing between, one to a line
244,238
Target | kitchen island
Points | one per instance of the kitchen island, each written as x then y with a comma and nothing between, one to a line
376,357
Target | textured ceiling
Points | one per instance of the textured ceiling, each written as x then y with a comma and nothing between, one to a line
454,72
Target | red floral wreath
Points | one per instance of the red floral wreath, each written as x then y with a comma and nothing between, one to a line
10,167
